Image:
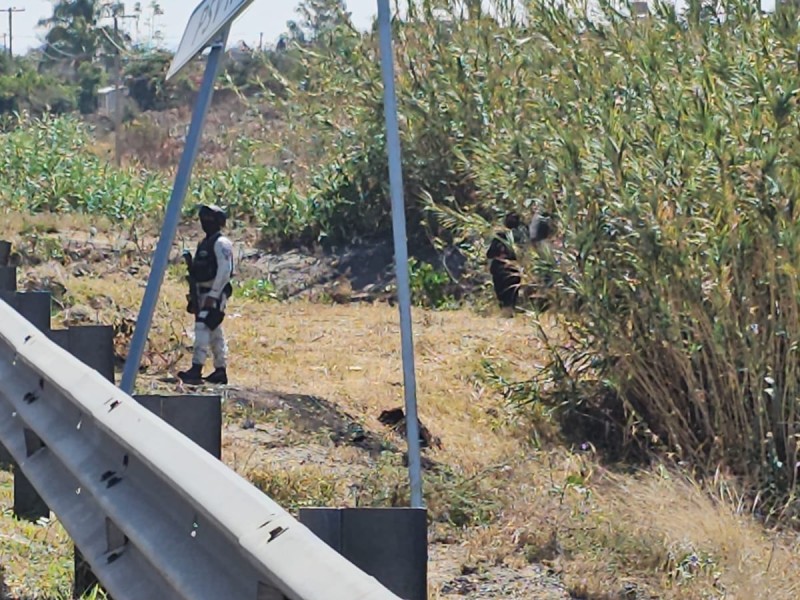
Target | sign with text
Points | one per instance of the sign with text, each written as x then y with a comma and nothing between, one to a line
206,22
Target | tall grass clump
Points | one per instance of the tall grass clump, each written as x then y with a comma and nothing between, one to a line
667,147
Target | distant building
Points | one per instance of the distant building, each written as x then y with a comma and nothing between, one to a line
107,98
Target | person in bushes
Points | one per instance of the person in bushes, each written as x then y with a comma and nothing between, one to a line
502,253
210,272
503,258
541,228
541,232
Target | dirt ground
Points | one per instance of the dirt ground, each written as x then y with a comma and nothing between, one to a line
514,511
293,404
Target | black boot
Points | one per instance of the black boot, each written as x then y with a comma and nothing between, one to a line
219,376
193,376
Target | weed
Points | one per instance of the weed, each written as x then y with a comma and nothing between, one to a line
257,289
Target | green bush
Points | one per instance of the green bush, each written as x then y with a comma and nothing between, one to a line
23,88
430,287
46,165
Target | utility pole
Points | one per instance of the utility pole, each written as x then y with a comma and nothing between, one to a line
117,95
117,12
11,12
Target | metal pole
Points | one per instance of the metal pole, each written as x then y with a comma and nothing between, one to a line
117,93
400,251
173,214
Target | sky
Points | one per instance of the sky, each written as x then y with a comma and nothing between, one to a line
263,16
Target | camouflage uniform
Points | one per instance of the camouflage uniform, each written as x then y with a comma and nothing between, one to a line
218,290
211,271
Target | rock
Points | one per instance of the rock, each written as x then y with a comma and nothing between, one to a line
79,314
81,269
396,419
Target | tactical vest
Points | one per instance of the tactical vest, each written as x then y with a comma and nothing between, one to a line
204,266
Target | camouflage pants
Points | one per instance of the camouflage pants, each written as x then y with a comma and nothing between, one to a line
204,339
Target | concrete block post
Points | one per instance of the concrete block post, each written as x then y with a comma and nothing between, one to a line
391,544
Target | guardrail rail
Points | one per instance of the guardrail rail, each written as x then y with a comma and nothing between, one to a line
156,516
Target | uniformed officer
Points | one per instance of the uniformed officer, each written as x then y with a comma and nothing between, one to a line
211,273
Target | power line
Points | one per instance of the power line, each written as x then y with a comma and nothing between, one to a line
11,12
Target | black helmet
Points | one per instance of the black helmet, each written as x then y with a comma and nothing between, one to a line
212,212
512,220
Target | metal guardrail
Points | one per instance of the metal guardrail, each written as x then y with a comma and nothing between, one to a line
154,514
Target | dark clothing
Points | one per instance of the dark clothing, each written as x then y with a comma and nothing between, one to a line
505,273
204,266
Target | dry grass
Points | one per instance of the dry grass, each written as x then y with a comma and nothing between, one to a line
34,558
602,533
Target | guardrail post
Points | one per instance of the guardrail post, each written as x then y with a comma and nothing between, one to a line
8,278
8,275
5,253
197,417
8,283
93,345
391,544
35,307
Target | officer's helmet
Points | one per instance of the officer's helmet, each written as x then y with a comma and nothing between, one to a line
212,212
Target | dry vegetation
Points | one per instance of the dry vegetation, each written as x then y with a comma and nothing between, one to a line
640,141
510,518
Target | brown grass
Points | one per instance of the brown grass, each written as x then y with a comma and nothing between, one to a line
602,533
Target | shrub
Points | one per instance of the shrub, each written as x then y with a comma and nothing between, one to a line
668,150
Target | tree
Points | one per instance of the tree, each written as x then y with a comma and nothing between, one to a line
148,86
76,35
321,17
90,76
153,33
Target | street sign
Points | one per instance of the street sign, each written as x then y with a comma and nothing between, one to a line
206,22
